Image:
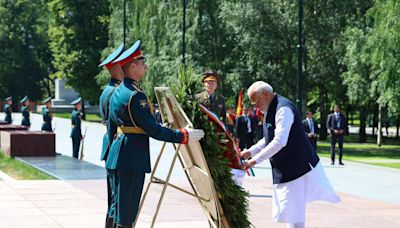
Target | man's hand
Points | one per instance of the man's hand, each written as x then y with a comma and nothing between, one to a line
245,154
248,164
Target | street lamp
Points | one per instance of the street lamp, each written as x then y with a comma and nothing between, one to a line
124,21
183,31
299,58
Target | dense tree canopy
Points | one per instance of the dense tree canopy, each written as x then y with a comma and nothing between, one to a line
345,43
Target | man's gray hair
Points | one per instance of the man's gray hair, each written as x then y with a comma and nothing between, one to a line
260,87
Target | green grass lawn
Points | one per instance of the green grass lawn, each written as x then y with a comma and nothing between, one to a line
89,117
21,171
388,155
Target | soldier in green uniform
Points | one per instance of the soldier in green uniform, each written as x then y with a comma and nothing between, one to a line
129,155
25,112
47,115
210,98
76,132
117,75
8,110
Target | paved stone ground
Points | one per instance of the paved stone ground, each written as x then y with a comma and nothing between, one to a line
369,194
82,203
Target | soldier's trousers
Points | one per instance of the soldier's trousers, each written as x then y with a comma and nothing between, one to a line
75,147
129,187
111,193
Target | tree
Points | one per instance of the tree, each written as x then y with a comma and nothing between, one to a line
77,37
23,41
383,42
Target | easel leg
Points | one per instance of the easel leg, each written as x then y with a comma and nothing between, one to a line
165,185
148,185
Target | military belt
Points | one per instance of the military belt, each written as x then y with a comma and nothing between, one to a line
130,130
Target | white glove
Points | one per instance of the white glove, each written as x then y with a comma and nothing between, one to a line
195,134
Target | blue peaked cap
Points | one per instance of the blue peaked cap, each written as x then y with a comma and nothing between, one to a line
24,99
47,100
76,101
113,55
132,52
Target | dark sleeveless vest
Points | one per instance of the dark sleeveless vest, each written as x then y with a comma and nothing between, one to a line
296,158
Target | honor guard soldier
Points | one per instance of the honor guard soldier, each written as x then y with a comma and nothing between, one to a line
76,132
8,110
117,75
129,155
47,115
209,98
25,112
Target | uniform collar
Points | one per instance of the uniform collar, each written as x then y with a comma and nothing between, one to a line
132,83
114,81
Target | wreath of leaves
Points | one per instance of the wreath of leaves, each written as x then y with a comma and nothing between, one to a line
233,198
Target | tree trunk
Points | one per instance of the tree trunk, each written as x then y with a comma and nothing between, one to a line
352,117
362,133
379,131
398,126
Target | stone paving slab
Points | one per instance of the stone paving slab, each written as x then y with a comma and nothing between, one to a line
66,168
82,203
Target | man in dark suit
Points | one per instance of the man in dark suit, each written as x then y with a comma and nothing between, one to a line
245,128
337,125
311,128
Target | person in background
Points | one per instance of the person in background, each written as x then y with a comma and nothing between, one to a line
337,125
47,115
25,112
76,131
8,110
311,128
212,100
245,129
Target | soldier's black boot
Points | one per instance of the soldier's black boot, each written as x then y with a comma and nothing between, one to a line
124,226
109,222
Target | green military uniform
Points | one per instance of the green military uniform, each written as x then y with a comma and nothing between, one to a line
47,118
76,131
104,102
129,155
25,113
214,102
8,111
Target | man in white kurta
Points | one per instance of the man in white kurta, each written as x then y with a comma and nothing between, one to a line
289,197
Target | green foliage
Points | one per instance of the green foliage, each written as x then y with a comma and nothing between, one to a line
21,171
232,197
383,42
77,37
23,42
387,155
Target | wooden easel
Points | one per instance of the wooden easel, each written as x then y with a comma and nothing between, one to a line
215,223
